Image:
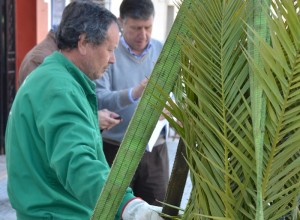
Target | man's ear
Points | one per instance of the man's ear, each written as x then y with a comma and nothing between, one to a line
82,44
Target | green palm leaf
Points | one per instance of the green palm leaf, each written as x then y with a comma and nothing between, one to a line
280,71
216,109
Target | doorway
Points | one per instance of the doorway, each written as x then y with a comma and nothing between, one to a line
7,64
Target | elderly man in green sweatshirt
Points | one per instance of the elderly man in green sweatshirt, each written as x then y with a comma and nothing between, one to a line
55,162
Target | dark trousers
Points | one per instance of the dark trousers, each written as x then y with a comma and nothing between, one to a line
151,178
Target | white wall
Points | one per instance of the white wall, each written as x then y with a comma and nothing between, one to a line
160,26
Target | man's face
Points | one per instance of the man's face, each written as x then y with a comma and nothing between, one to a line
99,57
137,32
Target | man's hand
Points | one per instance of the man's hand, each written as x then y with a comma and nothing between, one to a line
108,119
139,89
138,209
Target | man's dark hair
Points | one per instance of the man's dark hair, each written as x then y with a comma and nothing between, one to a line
136,9
83,17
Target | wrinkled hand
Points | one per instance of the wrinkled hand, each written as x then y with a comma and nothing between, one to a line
107,119
138,209
138,90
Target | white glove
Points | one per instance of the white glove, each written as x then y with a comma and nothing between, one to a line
138,209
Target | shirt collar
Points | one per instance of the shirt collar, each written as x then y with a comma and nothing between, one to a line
130,50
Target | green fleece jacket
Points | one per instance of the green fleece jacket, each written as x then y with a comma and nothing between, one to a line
55,162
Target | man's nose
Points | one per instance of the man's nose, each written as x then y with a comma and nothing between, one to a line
143,33
112,58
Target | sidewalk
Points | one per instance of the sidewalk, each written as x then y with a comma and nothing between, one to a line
7,213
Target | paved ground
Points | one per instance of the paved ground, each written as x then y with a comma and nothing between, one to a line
7,213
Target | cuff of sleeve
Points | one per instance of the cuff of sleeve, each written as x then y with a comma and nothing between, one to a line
128,203
130,96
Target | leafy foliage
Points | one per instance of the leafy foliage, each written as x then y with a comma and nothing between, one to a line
214,105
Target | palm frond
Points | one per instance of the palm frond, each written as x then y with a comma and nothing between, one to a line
280,71
214,104
217,110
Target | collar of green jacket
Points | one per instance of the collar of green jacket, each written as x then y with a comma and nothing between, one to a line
87,84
